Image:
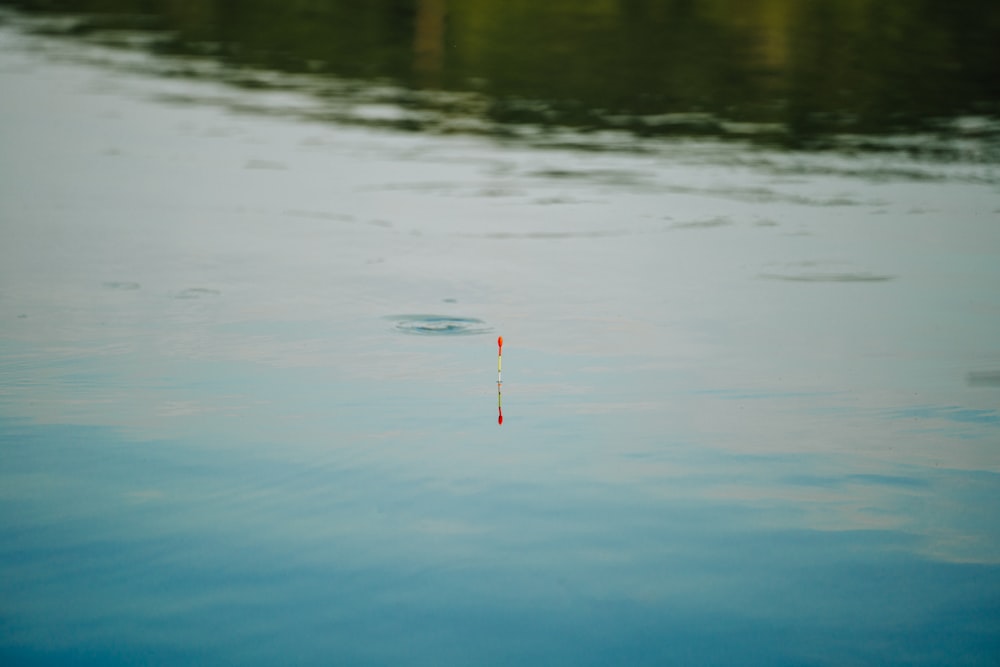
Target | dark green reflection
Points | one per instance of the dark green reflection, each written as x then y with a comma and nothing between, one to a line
782,70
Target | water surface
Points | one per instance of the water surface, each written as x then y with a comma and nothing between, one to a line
750,408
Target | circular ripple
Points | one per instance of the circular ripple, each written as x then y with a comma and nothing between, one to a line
439,325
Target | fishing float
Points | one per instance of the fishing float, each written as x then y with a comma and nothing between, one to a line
499,380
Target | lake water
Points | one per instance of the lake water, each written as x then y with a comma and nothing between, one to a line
248,414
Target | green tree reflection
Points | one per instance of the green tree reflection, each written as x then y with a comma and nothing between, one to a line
653,67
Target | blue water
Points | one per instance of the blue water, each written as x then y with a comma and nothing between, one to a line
749,399
120,551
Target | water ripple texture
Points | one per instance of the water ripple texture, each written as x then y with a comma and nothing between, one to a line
439,325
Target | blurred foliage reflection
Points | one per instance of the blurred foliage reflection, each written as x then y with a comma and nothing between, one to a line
792,71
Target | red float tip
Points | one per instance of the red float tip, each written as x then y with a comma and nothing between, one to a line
500,341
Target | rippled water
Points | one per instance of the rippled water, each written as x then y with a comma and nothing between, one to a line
439,325
749,411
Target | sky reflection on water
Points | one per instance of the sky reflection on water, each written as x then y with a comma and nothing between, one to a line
185,552
749,414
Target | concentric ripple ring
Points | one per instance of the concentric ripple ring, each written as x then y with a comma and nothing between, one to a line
439,325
